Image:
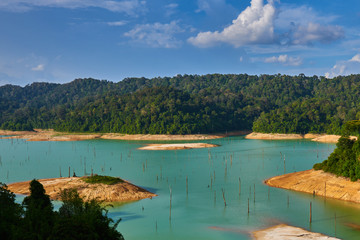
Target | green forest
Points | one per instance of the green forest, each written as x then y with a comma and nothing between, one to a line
36,219
185,104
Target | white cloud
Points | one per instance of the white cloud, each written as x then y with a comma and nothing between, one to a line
38,68
172,5
171,9
285,60
264,24
253,25
302,25
314,32
127,6
156,35
355,58
348,67
21,69
117,23
289,15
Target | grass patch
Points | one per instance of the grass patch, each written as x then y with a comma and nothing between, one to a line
102,179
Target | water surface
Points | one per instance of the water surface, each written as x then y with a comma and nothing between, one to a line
237,168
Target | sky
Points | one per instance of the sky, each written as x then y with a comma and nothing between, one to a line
61,40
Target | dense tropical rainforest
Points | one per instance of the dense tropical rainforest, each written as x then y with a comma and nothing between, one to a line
185,104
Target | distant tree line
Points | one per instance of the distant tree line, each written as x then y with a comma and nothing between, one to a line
185,104
35,218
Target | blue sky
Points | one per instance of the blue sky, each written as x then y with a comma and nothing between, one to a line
60,40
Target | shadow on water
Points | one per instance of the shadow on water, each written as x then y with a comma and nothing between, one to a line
126,217
150,189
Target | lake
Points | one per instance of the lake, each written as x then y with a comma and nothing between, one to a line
200,181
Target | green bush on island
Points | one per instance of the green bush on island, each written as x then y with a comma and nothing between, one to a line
35,218
344,161
108,180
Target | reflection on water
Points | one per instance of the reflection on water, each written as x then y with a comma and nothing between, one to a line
201,182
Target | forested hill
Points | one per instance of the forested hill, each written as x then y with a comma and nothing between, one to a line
185,104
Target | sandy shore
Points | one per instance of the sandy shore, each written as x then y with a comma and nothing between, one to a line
159,137
286,232
51,135
47,135
324,138
319,183
329,138
177,146
119,192
273,136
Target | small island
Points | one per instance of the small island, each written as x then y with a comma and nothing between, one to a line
177,146
283,231
101,188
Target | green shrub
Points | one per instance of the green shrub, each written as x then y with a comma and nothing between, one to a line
317,166
102,179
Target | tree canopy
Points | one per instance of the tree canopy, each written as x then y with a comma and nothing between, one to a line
35,219
185,104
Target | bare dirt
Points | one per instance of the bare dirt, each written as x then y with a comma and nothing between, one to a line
286,232
120,192
324,138
273,136
319,183
177,146
51,135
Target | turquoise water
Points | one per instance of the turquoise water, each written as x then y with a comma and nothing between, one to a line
198,212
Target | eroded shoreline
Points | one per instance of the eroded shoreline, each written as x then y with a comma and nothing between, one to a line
324,138
120,192
319,183
51,135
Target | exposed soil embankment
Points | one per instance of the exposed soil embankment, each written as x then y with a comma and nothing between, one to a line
273,136
51,135
47,135
324,138
319,183
119,192
287,232
177,146
159,137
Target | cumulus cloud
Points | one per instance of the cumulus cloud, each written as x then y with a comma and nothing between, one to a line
285,60
127,6
264,24
38,68
348,67
253,25
156,35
